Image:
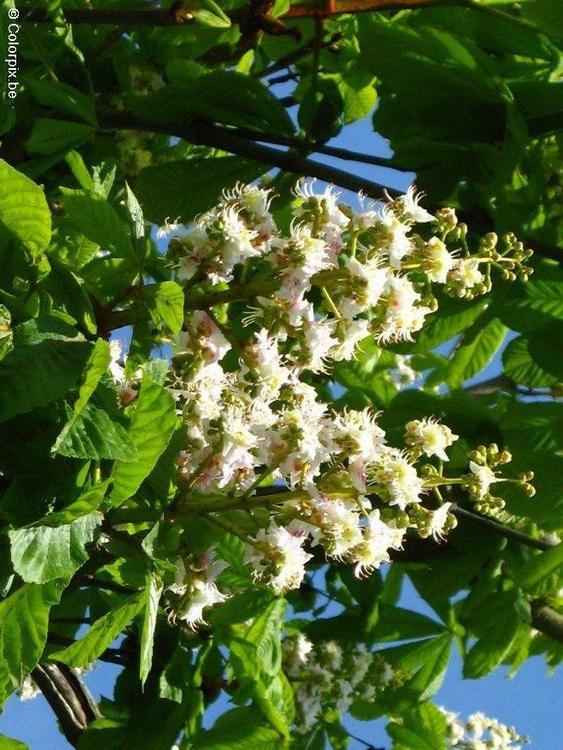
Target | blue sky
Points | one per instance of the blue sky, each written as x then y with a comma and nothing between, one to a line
531,701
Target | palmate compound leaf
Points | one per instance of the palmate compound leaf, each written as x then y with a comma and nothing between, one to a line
152,427
45,553
23,209
24,618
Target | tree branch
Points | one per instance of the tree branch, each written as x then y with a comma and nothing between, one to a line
317,148
547,620
69,698
500,529
207,134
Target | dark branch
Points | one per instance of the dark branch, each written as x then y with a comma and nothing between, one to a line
207,134
547,620
500,529
69,698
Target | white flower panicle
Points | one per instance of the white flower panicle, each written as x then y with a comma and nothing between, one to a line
330,679
245,393
480,732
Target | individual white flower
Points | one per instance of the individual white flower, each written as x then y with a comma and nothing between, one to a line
267,364
403,374
485,477
203,337
370,278
401,481
279,558
349,333
195,589
465,273
378,539
397,243
168,228
358,434
320,342
326,203
440,522
332,653
367,215
430,436
340,527
238,241
116,367
410,205
195,244
309,709
28,689
438,261
296,652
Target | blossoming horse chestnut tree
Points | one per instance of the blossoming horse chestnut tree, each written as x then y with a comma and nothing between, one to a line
235,415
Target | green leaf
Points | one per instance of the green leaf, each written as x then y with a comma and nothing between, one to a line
6,333
97,365
265,634
421,728
521,367
239,729
94,434
473,352
532,305
44,553
541,566
547,14
452,318
61,96
101,635
7,743
85,504
23,209
52,368
502,629
136,213
152,427
189,187
79,170
211,15
223,96
91,215
397,624
165,302
153,592
71,295
57,136
533,428
24,618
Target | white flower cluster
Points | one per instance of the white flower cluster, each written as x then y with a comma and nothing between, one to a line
339,275
328,678
480,732
263,422
245,387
